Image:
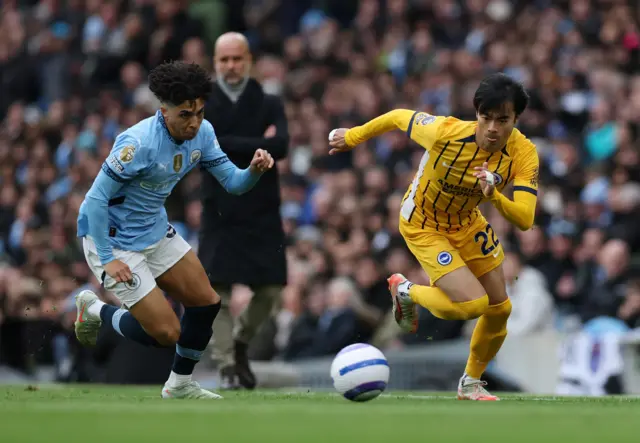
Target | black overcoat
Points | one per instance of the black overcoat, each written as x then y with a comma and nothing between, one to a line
241,237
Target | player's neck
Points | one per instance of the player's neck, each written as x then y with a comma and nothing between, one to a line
178,140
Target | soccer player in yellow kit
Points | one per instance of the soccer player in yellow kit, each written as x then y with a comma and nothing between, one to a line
465,163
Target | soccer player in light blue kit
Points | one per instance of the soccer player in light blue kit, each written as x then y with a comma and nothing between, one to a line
128,242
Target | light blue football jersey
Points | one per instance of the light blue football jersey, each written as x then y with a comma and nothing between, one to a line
124,208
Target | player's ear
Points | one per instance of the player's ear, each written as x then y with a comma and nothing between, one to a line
165,109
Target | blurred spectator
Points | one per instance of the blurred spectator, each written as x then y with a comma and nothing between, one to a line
610,286
532,302
335,326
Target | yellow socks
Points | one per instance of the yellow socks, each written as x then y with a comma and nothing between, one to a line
439,304
489,333
487,338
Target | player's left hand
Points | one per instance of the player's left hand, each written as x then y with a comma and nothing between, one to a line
487,180
261,162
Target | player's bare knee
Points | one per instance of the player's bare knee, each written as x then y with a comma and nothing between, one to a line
501,310
209,297
507,308
204,297
167,335
215,297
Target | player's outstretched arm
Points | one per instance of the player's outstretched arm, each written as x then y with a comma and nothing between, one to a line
342,140
233,179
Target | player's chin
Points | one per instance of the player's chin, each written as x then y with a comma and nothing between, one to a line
189,135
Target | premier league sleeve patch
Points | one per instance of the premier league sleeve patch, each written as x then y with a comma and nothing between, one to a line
423,118
127,153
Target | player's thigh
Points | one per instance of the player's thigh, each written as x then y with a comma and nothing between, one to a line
461,285
156,315
480,247
185,280
442,263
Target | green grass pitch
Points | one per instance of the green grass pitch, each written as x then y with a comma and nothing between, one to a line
94,414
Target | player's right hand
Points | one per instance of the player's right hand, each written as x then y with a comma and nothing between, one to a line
337,141
119,271
261,162
486,179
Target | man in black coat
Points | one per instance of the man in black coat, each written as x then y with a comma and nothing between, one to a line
242,239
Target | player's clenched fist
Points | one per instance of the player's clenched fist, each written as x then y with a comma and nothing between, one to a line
338,142
486,178
119,271
262,161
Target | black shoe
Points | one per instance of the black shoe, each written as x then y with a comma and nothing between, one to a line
246,378
228,378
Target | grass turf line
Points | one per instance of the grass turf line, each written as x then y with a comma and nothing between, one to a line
95,414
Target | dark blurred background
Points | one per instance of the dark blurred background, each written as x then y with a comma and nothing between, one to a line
73,75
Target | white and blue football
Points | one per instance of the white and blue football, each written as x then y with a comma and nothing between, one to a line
360,372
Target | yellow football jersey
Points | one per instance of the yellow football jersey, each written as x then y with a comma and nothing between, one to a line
444,194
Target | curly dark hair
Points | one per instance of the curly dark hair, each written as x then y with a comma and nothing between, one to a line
176,82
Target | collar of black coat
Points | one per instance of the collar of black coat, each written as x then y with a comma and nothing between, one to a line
253,87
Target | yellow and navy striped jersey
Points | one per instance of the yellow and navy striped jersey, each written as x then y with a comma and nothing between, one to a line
444,194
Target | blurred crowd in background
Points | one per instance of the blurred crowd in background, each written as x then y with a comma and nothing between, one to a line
73,73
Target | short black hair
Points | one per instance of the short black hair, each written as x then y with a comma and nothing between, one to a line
497,89
176,82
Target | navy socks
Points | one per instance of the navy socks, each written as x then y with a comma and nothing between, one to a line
126,325
194,337
196,332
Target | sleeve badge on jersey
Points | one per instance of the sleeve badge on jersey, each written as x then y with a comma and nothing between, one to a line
424,119
117,166
195,156
126,155
534,180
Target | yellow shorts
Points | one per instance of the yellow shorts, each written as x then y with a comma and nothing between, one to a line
439,253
